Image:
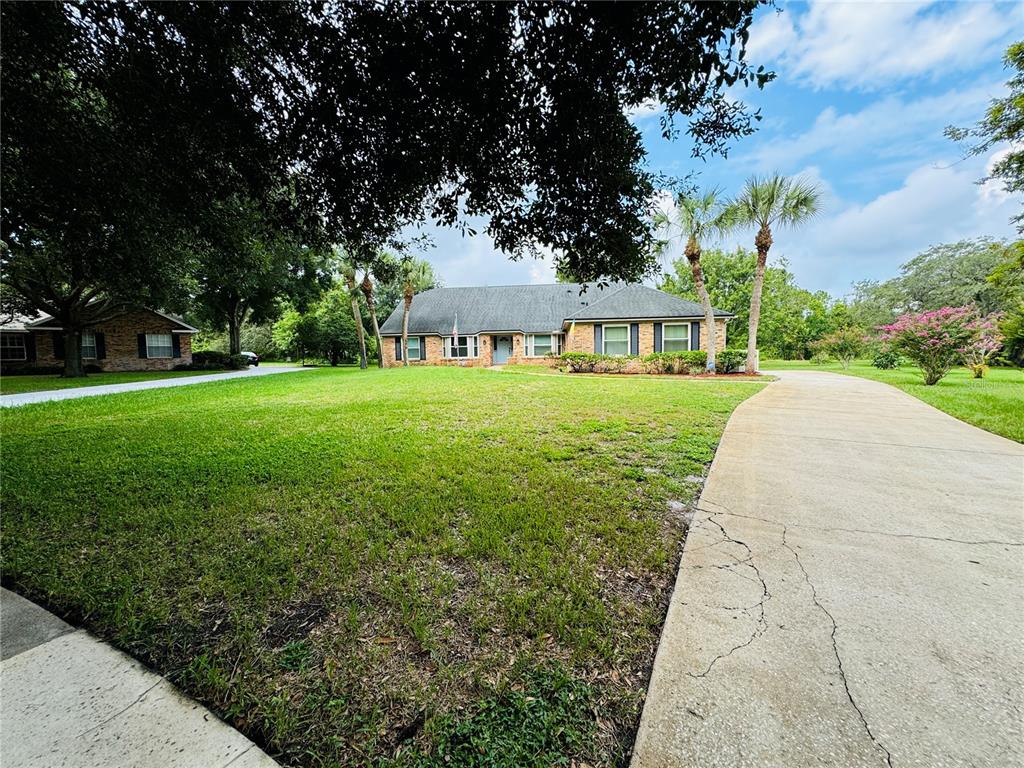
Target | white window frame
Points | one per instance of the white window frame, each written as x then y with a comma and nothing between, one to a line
604,341
554,340
408,354
472,347
4,343
150,346
664,338
91,336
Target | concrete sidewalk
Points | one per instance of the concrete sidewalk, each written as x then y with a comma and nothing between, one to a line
67,699
9,401
850,592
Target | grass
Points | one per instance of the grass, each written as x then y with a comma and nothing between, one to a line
994,403
13,385
411,567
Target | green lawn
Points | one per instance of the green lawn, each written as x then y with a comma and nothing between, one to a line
995,403
12,385
409,567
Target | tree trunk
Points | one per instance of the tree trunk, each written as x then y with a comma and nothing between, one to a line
405,329
236,316
73,368
371,307
357,316
693,256
763,242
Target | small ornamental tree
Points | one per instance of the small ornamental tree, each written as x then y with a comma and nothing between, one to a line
986,340
844,344
934,341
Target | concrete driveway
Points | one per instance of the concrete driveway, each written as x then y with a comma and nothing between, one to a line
8,401
851,592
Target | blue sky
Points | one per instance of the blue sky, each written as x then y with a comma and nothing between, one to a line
863,93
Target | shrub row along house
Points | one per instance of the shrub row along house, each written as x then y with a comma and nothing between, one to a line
137,340
534,323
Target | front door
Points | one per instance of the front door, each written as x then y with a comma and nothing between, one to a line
502,349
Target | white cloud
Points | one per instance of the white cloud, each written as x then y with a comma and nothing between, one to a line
889,129
936,203
866,45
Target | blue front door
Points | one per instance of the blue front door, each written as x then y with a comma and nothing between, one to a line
502,349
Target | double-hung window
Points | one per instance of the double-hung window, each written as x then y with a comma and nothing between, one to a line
538,345
676,337
460,346
89,345
12,346
159,345
616,339
412,351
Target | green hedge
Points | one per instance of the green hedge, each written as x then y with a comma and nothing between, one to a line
212,360
694,362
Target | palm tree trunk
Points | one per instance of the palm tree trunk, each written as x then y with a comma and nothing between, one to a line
357,316
405,329
693,254
762,242
371,306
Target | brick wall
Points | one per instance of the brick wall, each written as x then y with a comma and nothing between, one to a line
121,339
581,339
435,354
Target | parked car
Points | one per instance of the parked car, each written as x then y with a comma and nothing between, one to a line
252,357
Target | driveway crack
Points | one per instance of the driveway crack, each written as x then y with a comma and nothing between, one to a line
760,623
835,649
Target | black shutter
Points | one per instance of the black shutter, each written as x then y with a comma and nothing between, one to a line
101,346
634,338
142,345
58,345
694,335
398,347
598,347
175,345
30,347
423,347
657,337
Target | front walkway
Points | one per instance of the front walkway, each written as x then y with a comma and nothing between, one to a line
850,593
67,699
7,401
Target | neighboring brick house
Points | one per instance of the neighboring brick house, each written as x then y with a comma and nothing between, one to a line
136,340
523,323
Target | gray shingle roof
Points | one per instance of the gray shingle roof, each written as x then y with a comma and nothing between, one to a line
534,308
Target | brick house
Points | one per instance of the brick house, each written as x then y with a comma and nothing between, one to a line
136,340
523,323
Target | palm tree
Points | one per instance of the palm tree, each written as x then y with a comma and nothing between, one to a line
764,204
382,268
348,272
697,218
415,274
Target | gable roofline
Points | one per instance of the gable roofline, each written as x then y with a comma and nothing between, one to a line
44,323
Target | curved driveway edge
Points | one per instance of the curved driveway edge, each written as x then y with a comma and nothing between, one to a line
26,398
850,592
68,699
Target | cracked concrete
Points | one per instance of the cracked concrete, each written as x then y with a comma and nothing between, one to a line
849,593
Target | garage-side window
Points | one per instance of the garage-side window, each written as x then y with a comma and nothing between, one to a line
12,346
159,345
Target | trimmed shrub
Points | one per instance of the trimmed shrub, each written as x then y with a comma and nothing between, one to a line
730,360
212,360
886,359
692,362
